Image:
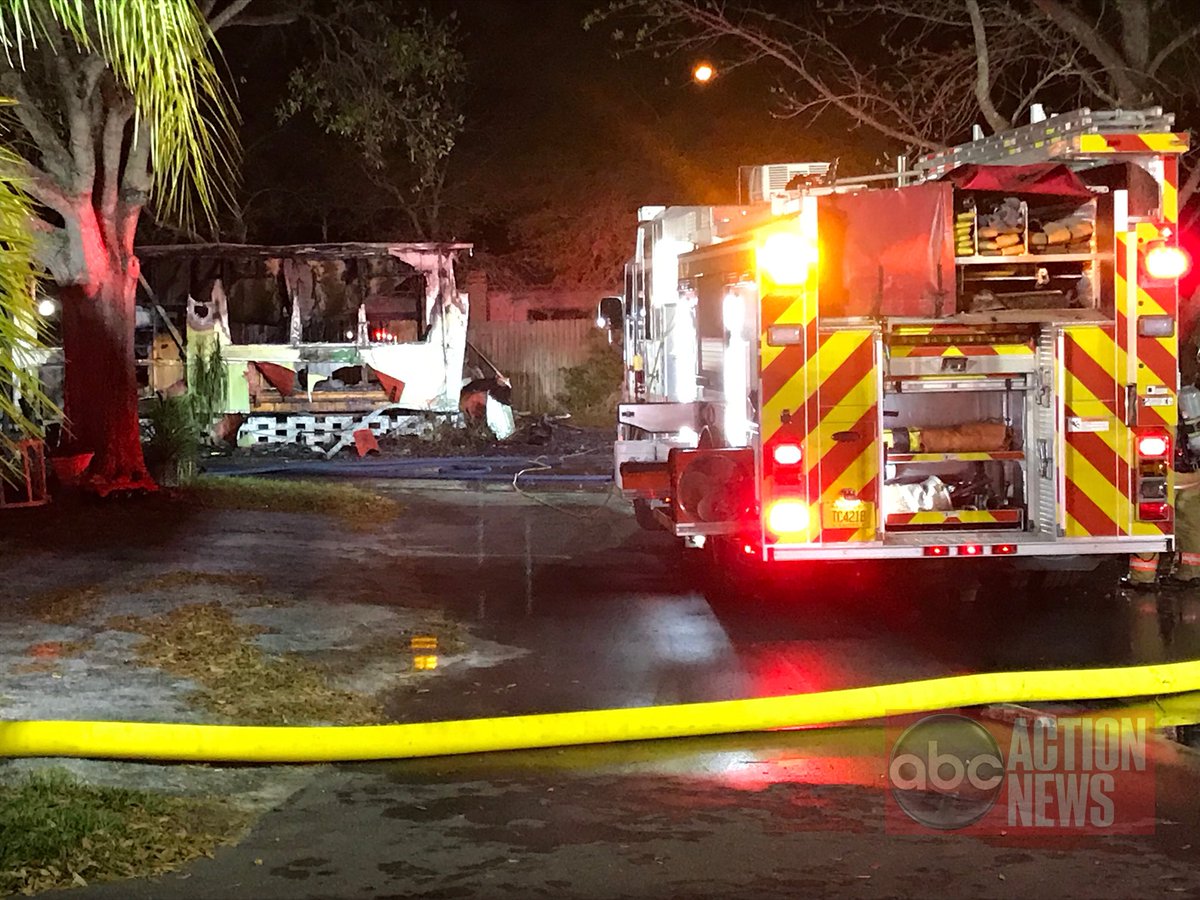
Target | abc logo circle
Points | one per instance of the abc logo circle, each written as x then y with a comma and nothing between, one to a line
946,771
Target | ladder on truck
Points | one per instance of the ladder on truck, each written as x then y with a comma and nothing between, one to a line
1056,137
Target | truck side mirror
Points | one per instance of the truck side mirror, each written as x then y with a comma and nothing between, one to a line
610,313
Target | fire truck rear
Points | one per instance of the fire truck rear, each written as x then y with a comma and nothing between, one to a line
979,359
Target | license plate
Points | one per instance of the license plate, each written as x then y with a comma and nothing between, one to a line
860,514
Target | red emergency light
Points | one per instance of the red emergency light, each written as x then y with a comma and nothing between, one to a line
937,550
1004,549
970,550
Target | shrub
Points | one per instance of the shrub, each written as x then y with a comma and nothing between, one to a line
173,439
593,388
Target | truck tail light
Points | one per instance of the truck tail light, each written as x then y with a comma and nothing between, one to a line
788,517
787,454
1154,511
937,551
1153,445
1166,262
1004,549
1154,449
970,550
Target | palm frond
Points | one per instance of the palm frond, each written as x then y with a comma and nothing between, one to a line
160,50
19,322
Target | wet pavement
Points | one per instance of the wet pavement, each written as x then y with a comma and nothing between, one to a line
609,616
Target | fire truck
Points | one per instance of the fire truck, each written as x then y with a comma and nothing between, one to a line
973,357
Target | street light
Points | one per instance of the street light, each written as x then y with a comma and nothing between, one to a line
703,72
46,307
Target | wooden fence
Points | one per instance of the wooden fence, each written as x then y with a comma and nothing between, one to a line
533,355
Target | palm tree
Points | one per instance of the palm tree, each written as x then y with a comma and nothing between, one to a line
18,320
117,105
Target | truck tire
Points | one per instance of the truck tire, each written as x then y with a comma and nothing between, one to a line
643,514
1057,581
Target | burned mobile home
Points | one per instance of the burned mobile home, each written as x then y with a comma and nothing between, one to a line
317,340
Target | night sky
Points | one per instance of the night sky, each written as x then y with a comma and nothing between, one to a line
539,76
553,121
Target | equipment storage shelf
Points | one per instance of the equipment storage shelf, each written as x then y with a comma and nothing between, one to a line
1027,252
954,444
954,457
1041,258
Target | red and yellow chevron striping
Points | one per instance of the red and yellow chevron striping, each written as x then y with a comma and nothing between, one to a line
1165,142
981,517
823,394
908,351
1096,490
1155,359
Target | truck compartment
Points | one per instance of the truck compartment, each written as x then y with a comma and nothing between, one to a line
955,411
980,239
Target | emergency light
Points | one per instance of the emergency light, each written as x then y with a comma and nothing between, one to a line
1153,446
786,257
788,517
1164,261
787,454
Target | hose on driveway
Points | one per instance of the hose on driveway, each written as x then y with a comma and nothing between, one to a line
311,744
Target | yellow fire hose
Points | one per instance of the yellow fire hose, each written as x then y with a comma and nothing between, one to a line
277,744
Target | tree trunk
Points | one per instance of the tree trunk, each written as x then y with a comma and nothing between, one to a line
101,379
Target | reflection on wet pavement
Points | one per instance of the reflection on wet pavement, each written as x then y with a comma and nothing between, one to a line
615,617
607,616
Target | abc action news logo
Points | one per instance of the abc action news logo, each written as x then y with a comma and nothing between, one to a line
1078,774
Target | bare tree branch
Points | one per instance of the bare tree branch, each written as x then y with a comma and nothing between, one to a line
1071,65
401,195
221,19
1135,32
715,20
52,249
41,187
112,141
1115,66
983,77
138,176
55,156
234,15
80,88
1180,40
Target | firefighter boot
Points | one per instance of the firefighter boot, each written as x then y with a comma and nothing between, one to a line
1143,571
1187,537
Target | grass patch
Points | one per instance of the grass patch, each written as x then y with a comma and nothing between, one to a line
355,505
235,678
64,606
172,580
57,832
250,587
